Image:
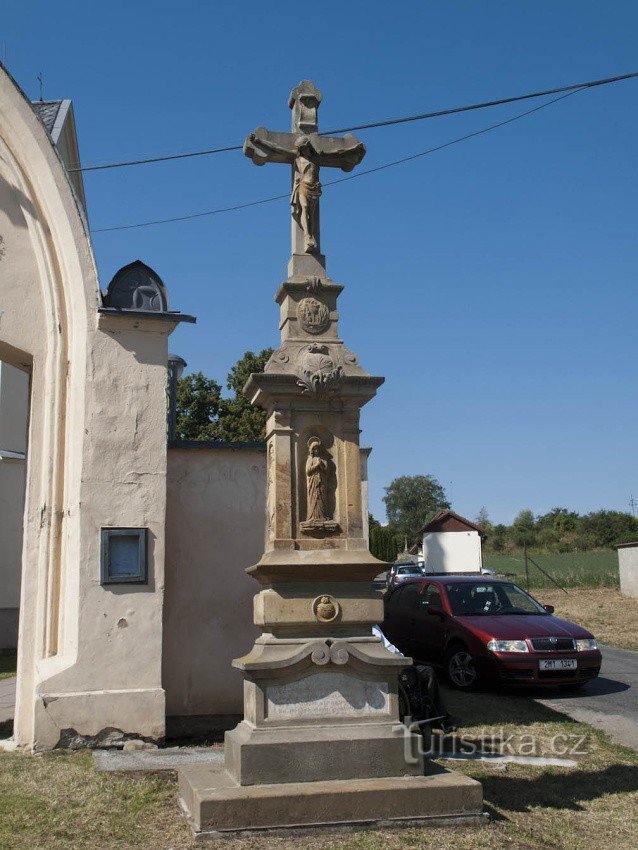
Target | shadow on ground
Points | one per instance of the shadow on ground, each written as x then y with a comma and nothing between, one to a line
491,708
597,688
555,790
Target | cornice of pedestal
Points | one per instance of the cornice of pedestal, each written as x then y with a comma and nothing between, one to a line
316,565
268,660
307,389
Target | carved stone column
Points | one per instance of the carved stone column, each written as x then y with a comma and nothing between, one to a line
321,691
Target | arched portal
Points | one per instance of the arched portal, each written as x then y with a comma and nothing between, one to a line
89,656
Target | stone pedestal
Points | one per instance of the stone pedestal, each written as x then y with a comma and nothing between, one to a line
320,741
215,805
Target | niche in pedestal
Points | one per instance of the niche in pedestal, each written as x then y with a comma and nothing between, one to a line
317,483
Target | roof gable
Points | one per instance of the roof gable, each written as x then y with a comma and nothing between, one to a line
448,520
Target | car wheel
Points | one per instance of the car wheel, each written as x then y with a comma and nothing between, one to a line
460,669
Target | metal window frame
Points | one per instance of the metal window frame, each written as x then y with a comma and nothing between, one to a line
107,534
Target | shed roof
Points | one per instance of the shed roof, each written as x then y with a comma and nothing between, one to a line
448,520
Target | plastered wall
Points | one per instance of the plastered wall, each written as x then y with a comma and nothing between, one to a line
216,515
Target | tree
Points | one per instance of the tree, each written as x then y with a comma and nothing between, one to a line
604,528
239,420
202,413
410,501
198,405
523,529
384,544
483,519
498,538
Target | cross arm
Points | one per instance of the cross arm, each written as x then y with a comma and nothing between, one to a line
262,146
333,152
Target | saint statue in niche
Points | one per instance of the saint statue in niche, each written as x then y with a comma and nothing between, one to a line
317,479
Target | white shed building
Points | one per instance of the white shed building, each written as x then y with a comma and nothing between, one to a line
452,544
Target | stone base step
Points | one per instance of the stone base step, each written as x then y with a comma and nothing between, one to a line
214,803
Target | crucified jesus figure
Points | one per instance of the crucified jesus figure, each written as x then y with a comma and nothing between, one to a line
306,191
306,188
307,151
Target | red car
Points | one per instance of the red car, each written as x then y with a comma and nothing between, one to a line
478,629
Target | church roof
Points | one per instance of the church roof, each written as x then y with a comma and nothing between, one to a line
47,112
58,120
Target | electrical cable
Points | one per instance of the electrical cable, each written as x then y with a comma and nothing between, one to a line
341,179
384,123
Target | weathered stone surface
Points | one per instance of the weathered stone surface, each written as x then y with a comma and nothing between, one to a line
214,802
151,761
325,695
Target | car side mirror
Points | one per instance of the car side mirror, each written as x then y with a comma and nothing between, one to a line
549,608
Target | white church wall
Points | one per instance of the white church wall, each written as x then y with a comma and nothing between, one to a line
215,522
89,657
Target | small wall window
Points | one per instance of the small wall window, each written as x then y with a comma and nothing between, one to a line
123,556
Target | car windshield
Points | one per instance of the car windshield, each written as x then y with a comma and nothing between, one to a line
409,571
484,597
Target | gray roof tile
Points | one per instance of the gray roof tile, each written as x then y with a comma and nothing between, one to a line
47,111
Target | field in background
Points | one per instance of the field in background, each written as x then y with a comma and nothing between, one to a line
571,569
612,618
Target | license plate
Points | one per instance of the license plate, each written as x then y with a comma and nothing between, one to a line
557,664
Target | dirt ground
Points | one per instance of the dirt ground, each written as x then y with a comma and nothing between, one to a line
611,617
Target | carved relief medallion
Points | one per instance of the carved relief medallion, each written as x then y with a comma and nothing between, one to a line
326,609
318,373
313,316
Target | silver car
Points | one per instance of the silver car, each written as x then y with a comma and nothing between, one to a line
399,573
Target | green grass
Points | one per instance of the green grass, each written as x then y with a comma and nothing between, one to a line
57,801
571,569
7,663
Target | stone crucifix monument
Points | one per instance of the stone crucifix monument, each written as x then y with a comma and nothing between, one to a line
320,742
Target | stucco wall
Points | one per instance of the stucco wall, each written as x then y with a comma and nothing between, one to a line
215,521
89,657
628,567
452,551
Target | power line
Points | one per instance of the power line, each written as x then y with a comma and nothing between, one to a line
384,123
341,179
485,104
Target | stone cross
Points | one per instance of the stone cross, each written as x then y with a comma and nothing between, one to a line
307,152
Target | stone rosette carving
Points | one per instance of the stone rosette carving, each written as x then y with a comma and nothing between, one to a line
325,608
318,372
313,316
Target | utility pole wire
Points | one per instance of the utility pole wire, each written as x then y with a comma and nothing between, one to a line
340,179
385,123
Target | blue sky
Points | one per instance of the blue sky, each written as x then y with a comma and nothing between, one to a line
493,284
